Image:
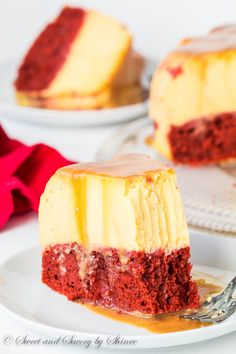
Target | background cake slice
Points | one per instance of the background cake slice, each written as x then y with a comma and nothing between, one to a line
114,234
193,99
76,61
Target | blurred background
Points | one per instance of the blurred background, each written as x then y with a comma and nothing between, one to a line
156,25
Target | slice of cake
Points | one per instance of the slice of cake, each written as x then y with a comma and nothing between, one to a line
114,234
193,100
82,60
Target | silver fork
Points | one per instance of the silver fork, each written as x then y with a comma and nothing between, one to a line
218,308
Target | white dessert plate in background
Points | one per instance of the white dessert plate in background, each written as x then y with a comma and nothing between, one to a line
11,110
208,193
39,308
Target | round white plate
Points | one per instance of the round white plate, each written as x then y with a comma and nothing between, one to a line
41,309
208,193
10,109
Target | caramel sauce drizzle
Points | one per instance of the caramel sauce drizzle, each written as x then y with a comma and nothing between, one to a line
79,185
218,40
124,165
149,140
165,323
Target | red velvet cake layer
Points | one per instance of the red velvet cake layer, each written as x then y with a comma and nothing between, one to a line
149,283
204,140
49,51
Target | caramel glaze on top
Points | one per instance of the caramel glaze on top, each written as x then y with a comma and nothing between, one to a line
219,39
126,165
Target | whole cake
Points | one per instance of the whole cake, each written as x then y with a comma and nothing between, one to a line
193,100
81,60
114,234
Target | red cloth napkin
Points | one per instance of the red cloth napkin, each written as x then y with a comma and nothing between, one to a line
24,172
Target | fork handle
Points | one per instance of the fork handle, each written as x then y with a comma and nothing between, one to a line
229,290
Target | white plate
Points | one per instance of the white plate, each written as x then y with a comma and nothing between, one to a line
41,309
209,192
10,109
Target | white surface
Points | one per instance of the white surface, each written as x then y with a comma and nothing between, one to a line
213,250
78,144
208,192
29,301
11,110
157,25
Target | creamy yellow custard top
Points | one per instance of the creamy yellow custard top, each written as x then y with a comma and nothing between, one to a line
196,80
131,202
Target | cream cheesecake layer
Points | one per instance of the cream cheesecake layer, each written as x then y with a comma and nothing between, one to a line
197,80
130,203
94,58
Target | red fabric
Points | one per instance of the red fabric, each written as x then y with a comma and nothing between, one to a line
24,172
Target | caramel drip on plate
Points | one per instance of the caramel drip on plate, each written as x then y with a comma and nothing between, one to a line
162,323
